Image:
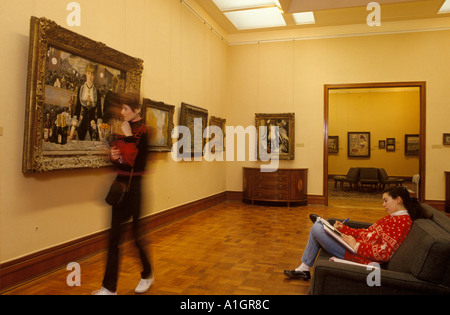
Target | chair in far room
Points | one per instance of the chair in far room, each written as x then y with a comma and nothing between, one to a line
385,179
368,176
352,177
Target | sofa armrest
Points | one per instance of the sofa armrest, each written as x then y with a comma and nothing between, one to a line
337,278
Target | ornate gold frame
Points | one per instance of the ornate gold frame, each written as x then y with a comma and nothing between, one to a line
187,116
286,118
45,33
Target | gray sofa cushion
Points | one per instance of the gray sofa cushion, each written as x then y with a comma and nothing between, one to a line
425,253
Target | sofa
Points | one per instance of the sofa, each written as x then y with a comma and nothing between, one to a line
421,265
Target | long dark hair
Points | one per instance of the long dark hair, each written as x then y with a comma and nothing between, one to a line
411,204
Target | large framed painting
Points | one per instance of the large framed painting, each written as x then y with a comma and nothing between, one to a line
159,119
358,144
67,120
285,134
196,120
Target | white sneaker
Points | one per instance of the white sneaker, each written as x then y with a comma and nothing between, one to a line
104,291
144,285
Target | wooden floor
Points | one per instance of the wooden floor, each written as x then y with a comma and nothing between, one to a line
230,249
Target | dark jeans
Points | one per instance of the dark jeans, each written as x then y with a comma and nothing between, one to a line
131,207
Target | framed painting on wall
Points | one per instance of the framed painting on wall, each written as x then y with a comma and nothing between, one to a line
358,144
218,142
333,144
390,144
69,77
412,144
195,119
446,140
286,135
159,118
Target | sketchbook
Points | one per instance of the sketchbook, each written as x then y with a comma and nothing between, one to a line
343,261
335,234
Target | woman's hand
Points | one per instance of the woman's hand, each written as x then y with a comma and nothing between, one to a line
126,128
115,153
338,225
350,240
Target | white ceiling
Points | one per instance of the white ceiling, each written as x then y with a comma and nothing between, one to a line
337,13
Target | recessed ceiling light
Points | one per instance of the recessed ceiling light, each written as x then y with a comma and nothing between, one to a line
256,18
304,18
227,5
445,7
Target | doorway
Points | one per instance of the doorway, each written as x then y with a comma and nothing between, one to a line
331,89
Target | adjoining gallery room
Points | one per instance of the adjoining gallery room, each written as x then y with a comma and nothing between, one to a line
225,148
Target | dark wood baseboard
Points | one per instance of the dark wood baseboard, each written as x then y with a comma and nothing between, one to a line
29,267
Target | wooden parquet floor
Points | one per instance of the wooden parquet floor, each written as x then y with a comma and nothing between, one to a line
229,249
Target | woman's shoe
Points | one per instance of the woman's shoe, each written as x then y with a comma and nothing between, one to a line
292,274
144,285
104,291
313,217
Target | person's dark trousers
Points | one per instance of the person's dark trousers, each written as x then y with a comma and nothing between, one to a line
120,214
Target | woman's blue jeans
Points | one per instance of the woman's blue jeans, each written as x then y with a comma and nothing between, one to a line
318,238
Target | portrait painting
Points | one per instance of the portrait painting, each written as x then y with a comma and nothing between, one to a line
358,144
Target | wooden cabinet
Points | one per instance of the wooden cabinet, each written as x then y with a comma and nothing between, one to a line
283,185
447,191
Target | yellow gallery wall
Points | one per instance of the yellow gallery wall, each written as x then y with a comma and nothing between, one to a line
385,113
289,76
184,61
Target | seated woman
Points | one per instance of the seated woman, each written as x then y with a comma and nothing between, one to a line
374,244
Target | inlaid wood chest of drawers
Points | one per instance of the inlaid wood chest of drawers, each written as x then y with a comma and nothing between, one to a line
284,185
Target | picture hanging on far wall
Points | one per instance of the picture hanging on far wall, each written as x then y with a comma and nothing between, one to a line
67,122
285,135
412,144
390,144
217,142
195,119
333,144
359,144
382,144
446,140
159,118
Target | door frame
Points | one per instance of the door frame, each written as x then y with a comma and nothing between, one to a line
422,134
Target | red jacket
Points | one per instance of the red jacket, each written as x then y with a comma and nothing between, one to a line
133,149
378,242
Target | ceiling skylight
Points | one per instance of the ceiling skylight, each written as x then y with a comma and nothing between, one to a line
227,5
256,18
445,7
304,18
